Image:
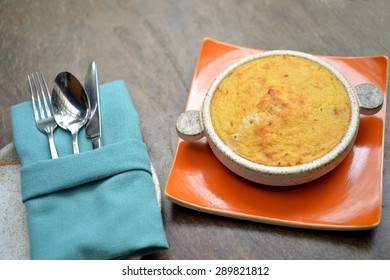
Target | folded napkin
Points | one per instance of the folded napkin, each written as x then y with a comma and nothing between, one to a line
99,204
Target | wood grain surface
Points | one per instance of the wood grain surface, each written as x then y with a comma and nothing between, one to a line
153,46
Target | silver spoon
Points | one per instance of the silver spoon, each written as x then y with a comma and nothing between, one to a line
71,108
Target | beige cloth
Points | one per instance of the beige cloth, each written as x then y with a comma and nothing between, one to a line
13,227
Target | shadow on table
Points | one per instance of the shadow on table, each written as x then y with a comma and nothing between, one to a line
198,235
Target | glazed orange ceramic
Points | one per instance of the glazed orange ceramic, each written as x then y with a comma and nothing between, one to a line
347,198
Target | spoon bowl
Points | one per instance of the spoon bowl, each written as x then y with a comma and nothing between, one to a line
71,106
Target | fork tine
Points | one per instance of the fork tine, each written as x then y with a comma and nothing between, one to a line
40,107
45,93
47,90
36,113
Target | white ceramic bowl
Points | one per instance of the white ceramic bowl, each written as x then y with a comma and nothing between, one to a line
193,125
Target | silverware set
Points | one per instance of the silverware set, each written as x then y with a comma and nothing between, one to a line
69,106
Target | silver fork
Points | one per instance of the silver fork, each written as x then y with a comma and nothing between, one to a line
41,102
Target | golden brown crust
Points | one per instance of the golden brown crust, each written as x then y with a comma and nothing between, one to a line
281,110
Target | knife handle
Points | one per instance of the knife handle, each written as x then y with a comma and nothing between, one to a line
96,143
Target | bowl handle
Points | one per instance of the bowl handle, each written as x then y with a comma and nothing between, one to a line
189,126
370,98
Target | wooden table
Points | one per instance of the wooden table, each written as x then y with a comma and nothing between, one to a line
153,46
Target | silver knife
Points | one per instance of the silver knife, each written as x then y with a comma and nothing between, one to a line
91,86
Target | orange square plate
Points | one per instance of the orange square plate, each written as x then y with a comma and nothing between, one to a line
347,198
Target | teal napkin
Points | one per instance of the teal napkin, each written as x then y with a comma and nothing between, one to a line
99,204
